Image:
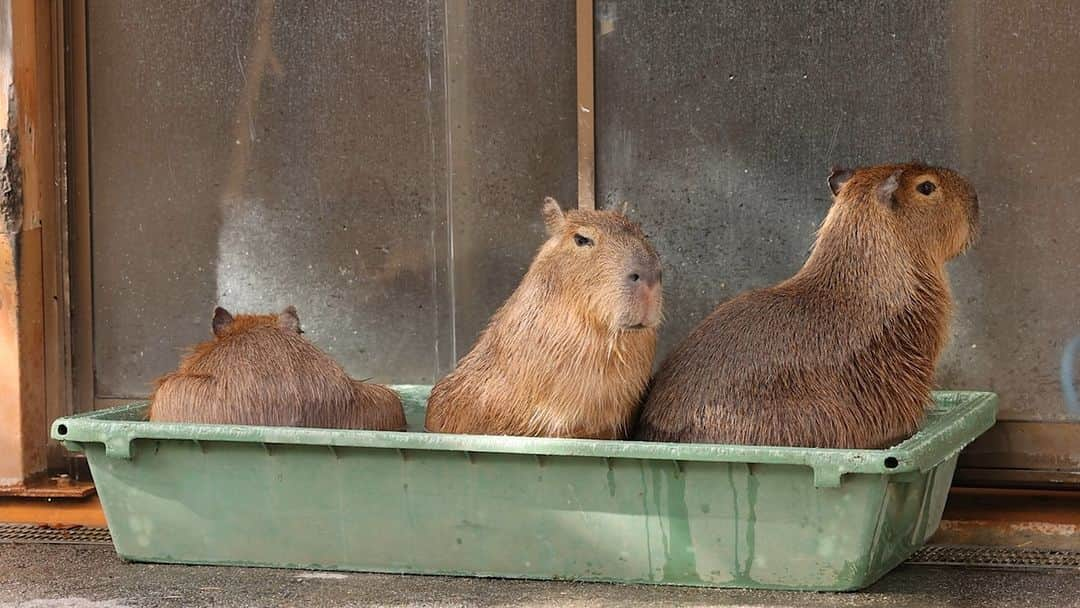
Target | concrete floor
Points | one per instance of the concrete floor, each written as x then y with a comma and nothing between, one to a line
92,576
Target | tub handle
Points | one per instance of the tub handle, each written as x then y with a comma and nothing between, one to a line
827,476
118,447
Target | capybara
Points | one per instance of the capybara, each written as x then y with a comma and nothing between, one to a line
258,369
570,352
842,354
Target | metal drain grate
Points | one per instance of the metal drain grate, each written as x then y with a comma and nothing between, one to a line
995,557
31,534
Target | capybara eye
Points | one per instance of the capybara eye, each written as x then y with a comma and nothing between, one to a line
583,241
926,188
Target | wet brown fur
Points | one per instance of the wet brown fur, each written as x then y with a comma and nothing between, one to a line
842,354
559,358
259,370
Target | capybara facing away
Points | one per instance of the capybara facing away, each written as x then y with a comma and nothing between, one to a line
570,352
841,355
258,369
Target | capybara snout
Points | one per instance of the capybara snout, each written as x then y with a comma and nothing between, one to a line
607,262
644,300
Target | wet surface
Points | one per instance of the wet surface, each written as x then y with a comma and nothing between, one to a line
94,577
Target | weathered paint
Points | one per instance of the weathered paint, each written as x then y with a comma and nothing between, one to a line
28,200
11,461
11,466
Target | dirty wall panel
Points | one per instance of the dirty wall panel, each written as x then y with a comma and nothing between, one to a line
1013,82
719,122
264,154
513,141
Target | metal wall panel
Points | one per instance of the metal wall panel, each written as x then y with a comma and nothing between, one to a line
314,153
266,154
513,141
719,122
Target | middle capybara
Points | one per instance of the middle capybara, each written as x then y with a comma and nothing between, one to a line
258,369
570,352
841,355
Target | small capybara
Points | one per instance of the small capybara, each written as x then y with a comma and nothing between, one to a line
842,354
570,352
258,369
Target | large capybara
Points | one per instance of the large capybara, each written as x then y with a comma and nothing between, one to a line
258,369
570,352
842,354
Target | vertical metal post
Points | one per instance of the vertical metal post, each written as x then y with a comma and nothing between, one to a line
585,110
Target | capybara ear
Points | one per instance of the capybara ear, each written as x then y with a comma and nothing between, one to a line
887,189
837,178
222,319
289,320
553,216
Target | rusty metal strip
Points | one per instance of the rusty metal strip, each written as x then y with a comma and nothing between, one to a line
59,486
585,107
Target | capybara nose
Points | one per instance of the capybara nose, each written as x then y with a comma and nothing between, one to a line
649,276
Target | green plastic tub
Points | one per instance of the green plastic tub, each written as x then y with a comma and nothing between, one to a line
683,514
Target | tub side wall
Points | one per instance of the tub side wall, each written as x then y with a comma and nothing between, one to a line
512,515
